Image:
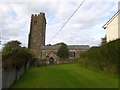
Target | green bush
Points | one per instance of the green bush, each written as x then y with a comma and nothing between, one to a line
63,51
105,57
13,55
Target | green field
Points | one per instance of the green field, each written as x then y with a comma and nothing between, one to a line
66,76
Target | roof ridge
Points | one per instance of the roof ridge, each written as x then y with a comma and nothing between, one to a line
104,26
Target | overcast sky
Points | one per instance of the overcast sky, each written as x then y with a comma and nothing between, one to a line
85,27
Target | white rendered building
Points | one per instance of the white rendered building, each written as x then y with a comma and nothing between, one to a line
113,27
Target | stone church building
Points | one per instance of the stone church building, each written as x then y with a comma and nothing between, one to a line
37,45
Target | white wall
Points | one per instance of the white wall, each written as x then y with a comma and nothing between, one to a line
113,32
119,26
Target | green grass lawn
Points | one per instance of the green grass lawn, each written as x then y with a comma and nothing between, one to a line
66,76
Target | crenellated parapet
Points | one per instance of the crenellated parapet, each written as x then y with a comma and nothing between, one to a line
42,14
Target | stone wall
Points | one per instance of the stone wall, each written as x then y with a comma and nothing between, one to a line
10,76
37,33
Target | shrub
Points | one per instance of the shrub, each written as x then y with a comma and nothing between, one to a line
63,51
15,55
105,57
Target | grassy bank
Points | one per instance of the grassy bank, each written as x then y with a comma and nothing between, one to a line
66,76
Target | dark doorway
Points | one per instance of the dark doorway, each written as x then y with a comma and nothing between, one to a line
71,54
51,61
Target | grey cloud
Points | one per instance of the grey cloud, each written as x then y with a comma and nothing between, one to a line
86,18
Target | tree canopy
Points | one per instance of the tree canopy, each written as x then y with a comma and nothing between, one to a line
14,54
10,49
104,40
58,44
63,51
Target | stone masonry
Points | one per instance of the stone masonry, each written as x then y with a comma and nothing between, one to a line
37,40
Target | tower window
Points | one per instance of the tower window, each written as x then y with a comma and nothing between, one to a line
35,22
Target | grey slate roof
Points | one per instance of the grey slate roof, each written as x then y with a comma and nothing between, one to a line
71,47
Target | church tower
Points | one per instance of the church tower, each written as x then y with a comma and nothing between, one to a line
37,33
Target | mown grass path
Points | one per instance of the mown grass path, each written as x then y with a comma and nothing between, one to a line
66,76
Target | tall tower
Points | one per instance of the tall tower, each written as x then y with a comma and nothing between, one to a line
37,33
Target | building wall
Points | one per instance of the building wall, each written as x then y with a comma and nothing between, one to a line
37,33
119,25
47,52
37,39
112,30
72,53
